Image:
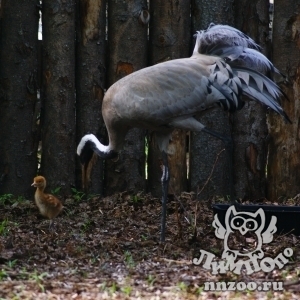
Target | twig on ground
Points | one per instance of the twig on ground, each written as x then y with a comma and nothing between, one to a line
211,172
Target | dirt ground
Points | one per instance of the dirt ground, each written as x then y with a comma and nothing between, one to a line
108,248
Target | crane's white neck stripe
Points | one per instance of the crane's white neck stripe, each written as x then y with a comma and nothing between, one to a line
93,139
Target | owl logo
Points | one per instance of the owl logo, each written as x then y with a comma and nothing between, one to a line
244,223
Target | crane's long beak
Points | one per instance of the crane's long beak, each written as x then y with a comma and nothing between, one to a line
33,184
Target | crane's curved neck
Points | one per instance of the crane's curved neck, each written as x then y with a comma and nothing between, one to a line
89,143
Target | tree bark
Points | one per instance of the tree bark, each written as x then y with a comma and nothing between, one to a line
169,39
58,110
284,147
18,96
249,125
127,38
90,80
204,149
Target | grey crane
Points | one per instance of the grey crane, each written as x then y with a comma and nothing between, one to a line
225,64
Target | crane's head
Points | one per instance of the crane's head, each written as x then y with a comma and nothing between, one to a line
87,158
87,150
87,167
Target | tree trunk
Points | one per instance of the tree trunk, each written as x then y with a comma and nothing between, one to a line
127,37
90,80
204,149
249,125
18,96
58,131
169,39
284,147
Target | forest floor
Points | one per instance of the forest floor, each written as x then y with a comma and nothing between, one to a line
108,248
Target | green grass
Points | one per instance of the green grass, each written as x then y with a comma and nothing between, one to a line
126,290
4,229
6,199
129,259
86,225
10,199
11,263
77,195
182,286
151,279
3,274
136,198
39,279
56,190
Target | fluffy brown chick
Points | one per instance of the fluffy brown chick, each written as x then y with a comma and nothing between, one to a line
48,204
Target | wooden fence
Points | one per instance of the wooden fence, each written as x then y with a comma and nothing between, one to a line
51,93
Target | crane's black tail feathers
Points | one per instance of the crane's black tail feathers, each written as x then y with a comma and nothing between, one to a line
248,65
260,88
231,82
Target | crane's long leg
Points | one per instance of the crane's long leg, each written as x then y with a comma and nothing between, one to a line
229,148
165,184
50,224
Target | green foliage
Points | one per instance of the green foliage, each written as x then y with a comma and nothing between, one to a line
6,199
284,274
110,289
144,237
126,290
86,225
129,259
39,279
113,288
136,198
199,290
10,199
93,260
182,286
12,263
19,199
151,279
77,195
56,190
3,274
23,273
4,227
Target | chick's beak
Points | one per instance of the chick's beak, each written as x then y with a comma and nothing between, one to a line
33,184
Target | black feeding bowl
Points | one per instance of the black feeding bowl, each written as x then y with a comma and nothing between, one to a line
288,217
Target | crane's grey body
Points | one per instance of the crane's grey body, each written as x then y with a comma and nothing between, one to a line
160,98
169,95
225,65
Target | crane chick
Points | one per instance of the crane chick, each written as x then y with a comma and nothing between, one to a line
49,206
